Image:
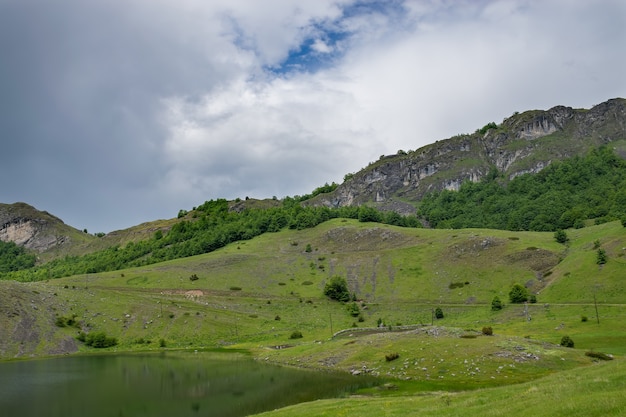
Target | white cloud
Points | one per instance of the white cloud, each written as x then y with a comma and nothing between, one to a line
193,100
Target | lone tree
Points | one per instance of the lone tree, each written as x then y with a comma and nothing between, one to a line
560,236
438,313
518,294
337,289
601,257
496,304
567,341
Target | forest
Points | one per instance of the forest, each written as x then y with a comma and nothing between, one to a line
563,195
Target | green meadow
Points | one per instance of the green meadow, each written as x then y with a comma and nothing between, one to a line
256,294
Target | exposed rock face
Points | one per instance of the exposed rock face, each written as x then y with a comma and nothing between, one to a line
522,143
28,227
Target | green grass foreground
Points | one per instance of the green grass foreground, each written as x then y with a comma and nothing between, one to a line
597,390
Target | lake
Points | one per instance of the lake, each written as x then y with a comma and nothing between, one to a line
160,384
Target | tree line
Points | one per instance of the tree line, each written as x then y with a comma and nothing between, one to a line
212,226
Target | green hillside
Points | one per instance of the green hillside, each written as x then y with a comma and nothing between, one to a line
255,294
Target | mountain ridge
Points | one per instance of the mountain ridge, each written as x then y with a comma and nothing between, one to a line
523,143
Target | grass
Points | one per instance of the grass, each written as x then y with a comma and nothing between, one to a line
398,275
595,391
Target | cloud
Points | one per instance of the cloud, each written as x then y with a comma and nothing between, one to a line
117,112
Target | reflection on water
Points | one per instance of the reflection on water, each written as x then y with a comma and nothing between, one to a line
172,384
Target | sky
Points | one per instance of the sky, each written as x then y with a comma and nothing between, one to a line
118,112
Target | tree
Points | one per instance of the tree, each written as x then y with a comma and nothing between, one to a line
337,289
567,341
496,304
601,257
518,294
560,236
438,313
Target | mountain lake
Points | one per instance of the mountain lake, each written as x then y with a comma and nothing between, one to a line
161,384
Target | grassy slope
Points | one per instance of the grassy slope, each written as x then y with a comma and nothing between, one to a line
400,274
595,391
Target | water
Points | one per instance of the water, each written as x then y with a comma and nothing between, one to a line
164,384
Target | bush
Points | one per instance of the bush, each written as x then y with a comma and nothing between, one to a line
391,357
487,331
353,309
496,304
518,294
296,334
193,277
561,237
67,321
601,257
532,299
97,340
599,355
162,343
234,288
567,341
438,313
583,318
337,289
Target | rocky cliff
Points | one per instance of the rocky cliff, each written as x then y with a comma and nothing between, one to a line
523,143
34,229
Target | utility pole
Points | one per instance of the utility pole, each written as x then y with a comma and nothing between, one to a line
595,304
330,315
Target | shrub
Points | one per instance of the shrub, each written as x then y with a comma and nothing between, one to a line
567,341
496,304
599,355
97,340
277,318
296,334
487,331
583,318
67,321
337,289
234,288
487,127
532,299
391,357
353,309
518,294
560,236
308,248
162,343
193,277
438,313
601,257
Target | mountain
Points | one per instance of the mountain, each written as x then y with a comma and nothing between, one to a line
37,230
523,143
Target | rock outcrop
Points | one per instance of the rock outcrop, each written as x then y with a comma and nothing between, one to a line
523,143
31,228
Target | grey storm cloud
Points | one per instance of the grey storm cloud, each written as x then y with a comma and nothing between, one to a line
117,112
